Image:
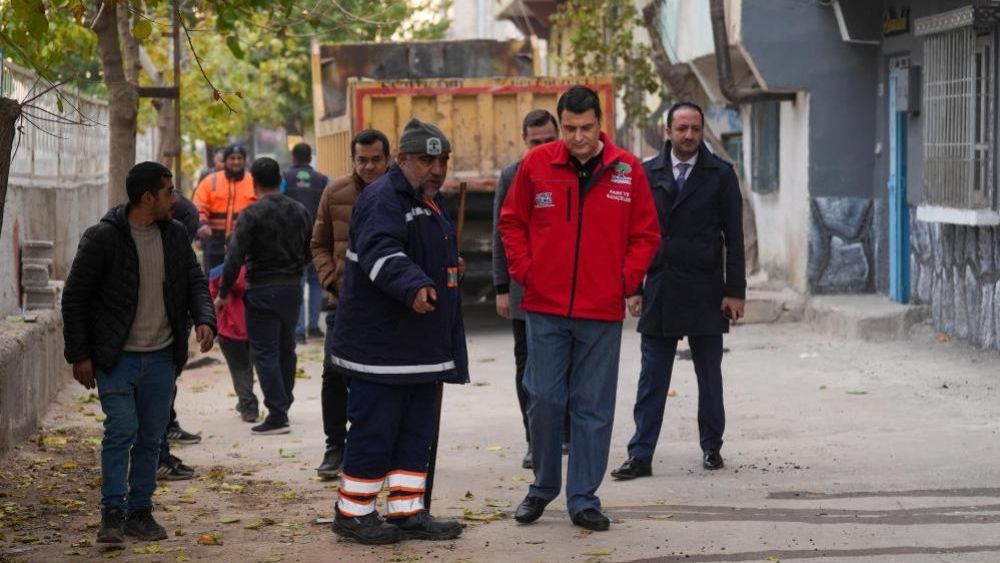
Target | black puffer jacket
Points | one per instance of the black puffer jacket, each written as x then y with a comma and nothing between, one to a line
102,291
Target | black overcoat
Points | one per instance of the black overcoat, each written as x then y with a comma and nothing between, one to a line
700,260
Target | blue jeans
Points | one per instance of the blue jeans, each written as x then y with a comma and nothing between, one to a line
135,398
654,382
315,302
591,348
271,312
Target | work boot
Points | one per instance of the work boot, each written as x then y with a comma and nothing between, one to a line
333,462
140,524
112,526
423,526
369,529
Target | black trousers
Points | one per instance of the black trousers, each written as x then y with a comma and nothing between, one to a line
333,395
520,328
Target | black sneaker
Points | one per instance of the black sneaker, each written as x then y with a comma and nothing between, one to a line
423,526
369,529
333,462
140,524
268,428
178,435
315,332
112,527
173,469
250,416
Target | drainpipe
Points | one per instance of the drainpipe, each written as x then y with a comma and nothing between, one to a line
726,82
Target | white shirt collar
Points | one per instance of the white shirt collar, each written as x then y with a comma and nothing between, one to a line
690,162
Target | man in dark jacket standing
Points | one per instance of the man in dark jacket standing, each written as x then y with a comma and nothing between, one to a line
272,239
695,287
398,332
133,285
538,127
305,185
579,228
370,158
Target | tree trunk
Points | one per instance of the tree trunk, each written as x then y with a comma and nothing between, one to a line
123,104
165,114
10,111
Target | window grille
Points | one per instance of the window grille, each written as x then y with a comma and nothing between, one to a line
765,130
958,118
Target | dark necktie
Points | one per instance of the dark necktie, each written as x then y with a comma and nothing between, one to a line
683,167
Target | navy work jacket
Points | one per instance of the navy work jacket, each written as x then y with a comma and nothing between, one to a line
398,244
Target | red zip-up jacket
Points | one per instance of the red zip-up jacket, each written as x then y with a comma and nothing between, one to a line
576,256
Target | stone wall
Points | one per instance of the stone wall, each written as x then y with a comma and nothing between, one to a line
954,269
32,371
841,245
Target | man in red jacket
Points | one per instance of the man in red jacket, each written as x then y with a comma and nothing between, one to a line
580,228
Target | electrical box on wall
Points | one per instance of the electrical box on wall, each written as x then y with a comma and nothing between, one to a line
907,89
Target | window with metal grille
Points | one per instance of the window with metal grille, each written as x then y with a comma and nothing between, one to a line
765,131
958,118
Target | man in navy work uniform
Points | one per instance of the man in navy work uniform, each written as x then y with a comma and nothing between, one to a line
696,285
398,332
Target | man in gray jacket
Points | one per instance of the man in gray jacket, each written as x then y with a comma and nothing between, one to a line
539,127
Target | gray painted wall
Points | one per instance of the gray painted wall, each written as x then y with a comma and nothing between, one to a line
840,77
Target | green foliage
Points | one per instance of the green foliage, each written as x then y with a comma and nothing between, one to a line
256,53
596,37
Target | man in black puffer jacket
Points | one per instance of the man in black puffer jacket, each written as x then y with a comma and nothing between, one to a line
133,285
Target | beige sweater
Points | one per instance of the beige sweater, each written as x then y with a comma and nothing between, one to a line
151,328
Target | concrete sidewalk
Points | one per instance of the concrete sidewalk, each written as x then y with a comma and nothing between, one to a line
837,449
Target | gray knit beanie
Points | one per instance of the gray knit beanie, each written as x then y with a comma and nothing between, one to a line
423,138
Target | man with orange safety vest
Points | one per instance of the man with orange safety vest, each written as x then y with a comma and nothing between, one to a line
220,197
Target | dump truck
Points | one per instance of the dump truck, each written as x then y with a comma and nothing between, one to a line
480,115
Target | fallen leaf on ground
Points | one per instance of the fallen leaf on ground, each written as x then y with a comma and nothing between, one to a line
497,503
944,338
199,388
857,392
148,548
598,552
181,557
487,360
88,398
660,516
54,441
773,558
481,384
179,532
483,515
100,418
210,539
289,495
468,496
70,465
518,479
229,519
114,552
73,552
672,393
534,542
263,522
91,442
494,448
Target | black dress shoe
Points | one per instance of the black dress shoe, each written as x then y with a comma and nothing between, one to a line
592,519
713,460
530,509
633,468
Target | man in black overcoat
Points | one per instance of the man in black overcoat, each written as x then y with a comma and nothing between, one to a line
695,287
